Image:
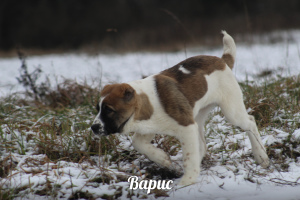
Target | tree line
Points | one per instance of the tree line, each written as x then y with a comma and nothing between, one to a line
47,24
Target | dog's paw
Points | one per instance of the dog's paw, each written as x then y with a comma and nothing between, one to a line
186,180
263,160
167,162
164,162
265,163
162,159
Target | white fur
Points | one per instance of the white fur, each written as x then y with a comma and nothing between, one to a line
228,44
224,91
97,120
183,70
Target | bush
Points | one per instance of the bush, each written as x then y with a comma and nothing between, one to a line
69,93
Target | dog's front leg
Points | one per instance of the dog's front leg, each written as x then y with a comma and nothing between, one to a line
142,144
191,155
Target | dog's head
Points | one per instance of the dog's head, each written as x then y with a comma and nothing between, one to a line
117,104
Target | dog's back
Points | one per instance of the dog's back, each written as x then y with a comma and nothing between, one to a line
183,85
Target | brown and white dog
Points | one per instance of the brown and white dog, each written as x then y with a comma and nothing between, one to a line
176,102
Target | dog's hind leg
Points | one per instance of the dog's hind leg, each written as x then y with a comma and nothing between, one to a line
142,144
233,108
200,119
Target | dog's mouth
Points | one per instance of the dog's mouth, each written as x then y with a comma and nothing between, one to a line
99,129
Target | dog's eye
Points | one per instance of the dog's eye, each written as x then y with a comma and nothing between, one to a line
108,109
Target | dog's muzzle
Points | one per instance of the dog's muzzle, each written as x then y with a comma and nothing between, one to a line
98,129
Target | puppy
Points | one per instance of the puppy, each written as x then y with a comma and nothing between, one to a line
176,102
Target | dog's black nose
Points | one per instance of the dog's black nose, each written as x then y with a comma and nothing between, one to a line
95,128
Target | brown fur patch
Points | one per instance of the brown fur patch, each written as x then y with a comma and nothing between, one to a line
178,91
194,85
229,60
144,109
119,95
174,102
122,99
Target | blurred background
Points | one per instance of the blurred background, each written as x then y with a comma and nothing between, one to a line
133,25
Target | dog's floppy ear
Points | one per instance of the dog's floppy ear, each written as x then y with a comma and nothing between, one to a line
128,93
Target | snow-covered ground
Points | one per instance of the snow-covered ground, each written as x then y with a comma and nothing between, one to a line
225,174
233,180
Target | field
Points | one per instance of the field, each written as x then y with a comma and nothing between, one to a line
47,150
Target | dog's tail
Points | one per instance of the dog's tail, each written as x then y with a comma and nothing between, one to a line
229,49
